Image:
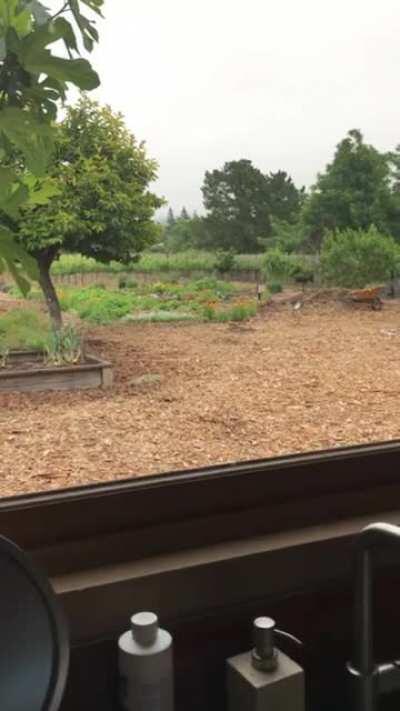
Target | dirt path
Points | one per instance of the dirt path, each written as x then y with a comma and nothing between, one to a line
287,382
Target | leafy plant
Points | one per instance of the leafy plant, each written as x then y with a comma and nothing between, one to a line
357,258
225,261
64,347
97,305
33,82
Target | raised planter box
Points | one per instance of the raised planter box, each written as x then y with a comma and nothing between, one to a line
26,373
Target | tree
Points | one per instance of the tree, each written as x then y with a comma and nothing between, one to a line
241,203
238,210
170,218
285,199
103,207
184,214
33,81
354,191
185,234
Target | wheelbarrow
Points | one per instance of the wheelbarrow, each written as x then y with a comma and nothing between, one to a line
368,296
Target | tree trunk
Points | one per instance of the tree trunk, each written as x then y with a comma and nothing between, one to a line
50,294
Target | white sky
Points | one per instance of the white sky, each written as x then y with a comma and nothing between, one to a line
207,81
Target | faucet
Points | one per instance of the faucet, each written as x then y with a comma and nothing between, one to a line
369,680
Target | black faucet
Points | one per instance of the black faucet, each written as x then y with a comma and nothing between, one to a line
368,679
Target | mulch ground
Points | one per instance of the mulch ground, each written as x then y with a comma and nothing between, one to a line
325,376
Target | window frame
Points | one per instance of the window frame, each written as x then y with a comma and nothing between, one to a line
99,525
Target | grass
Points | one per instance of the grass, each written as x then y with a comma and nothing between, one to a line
189,261
24,329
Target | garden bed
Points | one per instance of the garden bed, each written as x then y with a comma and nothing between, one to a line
26,372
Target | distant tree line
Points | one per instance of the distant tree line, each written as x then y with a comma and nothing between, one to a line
248,211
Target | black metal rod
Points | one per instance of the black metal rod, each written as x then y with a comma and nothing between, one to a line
363,656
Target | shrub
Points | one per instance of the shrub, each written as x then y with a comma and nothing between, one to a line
356,258
282,267
225,261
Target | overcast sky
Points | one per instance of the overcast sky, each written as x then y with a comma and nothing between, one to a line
279,82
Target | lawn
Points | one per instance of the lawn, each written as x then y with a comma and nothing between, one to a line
191,395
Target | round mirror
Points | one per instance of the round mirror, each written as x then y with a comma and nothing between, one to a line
34,651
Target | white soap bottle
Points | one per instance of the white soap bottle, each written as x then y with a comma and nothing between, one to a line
146,666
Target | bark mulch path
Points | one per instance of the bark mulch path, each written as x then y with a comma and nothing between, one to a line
195,395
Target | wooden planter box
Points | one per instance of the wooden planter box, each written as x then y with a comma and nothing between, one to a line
93,373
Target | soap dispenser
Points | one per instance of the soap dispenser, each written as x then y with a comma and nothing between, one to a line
146,679
265,679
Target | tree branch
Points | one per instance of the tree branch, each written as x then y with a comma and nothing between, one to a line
61,10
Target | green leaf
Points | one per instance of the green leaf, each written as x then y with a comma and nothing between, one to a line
18,262
88,31
32,137
7,177
74,71
11,199
66,33
39,12
95,5
22,23
40,191
3,49
12,193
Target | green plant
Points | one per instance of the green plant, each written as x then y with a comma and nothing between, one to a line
356,258
126,283
209,312
24,329
154,262
282,267
275,287
97,305
64,347
33,82
242,312
225,261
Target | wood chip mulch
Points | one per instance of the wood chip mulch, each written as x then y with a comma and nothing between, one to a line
189,396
